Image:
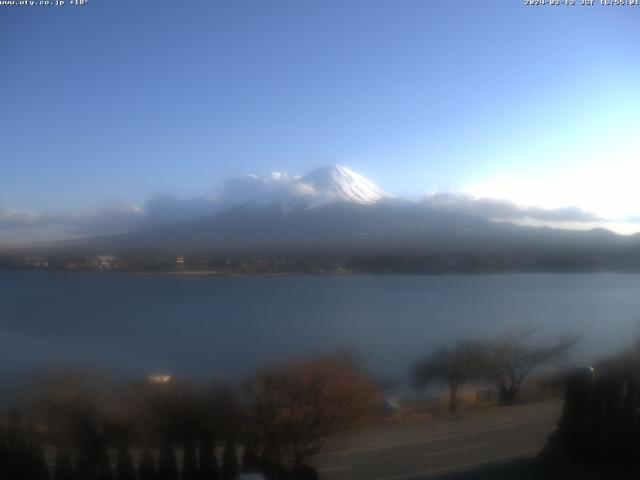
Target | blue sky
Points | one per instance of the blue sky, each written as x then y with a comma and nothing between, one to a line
116,101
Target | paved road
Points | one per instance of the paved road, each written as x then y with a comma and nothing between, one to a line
416,452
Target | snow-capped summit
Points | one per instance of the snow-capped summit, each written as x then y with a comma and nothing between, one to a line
340,183
323,185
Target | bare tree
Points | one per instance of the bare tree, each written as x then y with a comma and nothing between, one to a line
514,356
453,366
292,410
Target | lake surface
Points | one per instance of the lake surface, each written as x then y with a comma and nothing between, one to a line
226,327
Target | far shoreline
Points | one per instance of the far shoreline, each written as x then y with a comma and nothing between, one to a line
205,273
219,274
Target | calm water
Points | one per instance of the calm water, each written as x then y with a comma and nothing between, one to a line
226,327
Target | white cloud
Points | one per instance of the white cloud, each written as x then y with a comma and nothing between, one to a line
608,188
504,209
621,228
27,226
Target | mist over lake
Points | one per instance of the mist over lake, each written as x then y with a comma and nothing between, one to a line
225,328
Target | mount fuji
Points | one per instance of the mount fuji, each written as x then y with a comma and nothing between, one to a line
335,213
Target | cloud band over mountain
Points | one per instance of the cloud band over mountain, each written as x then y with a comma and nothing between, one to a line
319,187
495,208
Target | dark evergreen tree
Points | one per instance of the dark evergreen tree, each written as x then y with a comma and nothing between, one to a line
85,468
307,473
273,470
230,467
104,467
15,435
4,453
167,465
63,469
189,461
250,459
124,465
37,464
18,460
208,462
267,467
147,467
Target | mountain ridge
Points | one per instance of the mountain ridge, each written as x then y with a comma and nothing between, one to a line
334,212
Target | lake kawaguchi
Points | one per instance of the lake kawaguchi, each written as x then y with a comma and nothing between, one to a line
225,328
